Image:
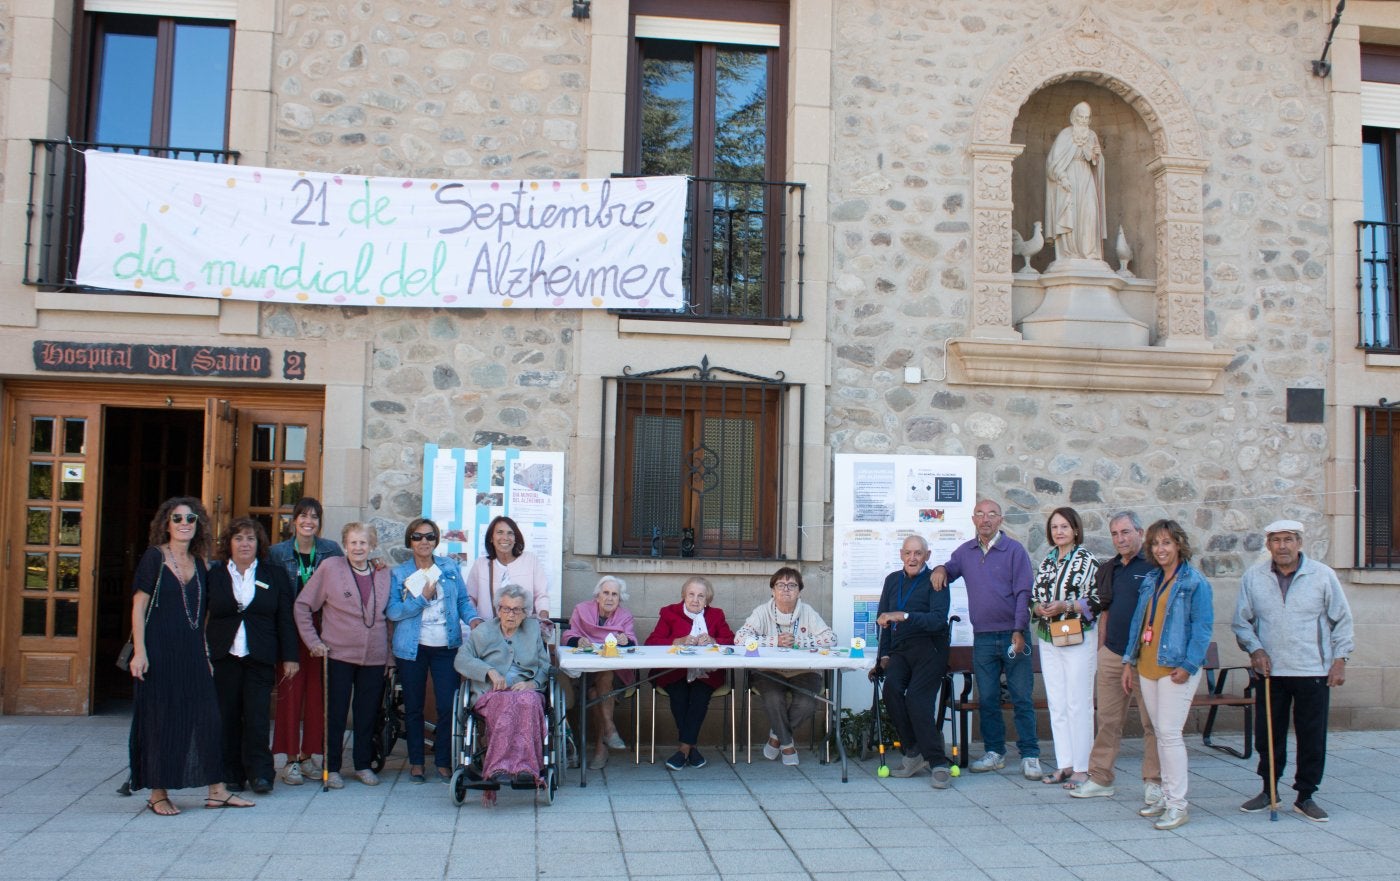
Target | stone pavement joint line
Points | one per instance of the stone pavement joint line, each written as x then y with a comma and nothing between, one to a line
60,818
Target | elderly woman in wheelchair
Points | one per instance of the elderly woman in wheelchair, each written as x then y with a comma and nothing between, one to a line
506,665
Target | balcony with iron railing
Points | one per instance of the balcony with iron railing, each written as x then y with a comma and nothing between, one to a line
1378,274
54,217
742,239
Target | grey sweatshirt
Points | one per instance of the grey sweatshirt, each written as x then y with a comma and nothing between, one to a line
1303,634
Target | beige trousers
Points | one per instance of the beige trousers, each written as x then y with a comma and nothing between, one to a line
1112,711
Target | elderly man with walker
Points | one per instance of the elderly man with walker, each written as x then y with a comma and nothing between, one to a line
1294,621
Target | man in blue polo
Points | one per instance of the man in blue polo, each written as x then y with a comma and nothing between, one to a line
998,574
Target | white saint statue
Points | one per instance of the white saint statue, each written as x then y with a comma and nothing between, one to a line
1074,206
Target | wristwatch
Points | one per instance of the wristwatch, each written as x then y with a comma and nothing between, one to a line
906,616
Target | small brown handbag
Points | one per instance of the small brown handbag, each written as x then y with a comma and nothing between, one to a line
1067,632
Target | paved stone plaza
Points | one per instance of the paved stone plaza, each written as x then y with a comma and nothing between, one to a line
60,818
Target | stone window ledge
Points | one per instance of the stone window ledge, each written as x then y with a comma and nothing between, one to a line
704,328
688,566
1021,364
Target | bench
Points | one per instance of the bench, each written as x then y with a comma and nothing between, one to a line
1212,699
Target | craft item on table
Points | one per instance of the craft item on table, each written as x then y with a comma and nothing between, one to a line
420,579
751,649
857,647
610,646
674,650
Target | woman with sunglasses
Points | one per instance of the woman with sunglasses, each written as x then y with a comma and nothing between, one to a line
429,604
176,740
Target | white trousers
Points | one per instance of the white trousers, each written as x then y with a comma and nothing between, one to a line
1068,672
1167,704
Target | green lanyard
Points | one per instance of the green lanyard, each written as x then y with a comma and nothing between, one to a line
304,570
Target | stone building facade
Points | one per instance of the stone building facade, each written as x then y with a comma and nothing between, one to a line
919,132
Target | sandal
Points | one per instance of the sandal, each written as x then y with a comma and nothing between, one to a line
1059,776
170,812
214,804
1072,784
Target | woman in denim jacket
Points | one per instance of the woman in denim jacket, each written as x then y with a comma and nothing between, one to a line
1167,643
430,613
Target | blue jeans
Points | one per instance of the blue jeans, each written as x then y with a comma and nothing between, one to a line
413,676
989,660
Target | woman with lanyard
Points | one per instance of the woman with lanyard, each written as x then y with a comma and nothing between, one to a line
297,728
1167,643
1064,601
351,596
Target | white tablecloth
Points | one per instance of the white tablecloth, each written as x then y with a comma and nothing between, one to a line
661,657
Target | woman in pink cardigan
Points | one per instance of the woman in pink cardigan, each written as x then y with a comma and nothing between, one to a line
351,596
591,624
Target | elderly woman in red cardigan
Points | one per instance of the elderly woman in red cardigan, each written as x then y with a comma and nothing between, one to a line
691,622
591,624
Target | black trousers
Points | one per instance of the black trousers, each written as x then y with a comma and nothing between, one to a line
912,682
690,701
1308,699
356,690
245,696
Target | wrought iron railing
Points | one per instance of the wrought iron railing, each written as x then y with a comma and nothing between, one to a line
54,225
742,239
1377,445
1377,277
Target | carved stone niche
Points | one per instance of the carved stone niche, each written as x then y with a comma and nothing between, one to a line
1145,104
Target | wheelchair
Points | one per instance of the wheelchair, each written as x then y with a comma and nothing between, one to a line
389,725
469,746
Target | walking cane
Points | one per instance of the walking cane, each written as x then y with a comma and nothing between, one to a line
1269,730
325,721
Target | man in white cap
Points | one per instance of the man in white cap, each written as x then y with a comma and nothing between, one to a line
1293,619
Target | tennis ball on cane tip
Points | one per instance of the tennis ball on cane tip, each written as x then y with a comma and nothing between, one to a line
955,771
883,771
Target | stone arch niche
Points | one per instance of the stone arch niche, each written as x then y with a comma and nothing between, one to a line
1088,52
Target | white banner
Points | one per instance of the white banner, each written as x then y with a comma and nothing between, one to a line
204,230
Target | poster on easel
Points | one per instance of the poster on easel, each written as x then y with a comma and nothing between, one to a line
465,489
880,501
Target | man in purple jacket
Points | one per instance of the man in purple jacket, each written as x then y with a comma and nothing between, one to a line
998,574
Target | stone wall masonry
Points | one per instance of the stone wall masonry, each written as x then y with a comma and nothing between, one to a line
431,88
907,79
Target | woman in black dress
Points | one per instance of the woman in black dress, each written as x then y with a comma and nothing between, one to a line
250,631
175,737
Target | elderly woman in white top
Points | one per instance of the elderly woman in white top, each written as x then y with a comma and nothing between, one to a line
786,622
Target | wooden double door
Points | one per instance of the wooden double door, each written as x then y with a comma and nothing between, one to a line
86,466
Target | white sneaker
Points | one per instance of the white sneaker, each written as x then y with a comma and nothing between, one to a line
292,774
990,761
790,758
1156,809
615,741
1151,793
1172,818
1090,789
770,749
1030,768
311,769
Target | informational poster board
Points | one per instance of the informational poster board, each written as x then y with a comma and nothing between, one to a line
463,490
879,501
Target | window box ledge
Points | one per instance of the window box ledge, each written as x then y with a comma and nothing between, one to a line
704,329
688,566
1021,364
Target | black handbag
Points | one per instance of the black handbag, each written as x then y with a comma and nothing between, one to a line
124,656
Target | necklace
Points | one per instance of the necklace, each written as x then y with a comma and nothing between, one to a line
360,570
366,608
191,618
